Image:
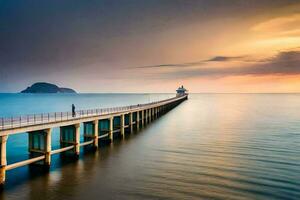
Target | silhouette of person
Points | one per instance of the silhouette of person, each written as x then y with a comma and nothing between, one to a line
73,110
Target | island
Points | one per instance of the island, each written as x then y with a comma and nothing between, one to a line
42,87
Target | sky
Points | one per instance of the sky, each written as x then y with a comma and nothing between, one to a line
247,46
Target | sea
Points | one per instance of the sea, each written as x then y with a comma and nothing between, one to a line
212,146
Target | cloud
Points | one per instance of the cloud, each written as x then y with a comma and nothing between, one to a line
190,64
284,63
225,58
282,26
172,65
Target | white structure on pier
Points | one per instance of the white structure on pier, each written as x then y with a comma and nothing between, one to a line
181,91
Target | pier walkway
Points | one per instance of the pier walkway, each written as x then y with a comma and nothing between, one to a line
97,124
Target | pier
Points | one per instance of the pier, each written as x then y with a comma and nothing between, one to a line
97,124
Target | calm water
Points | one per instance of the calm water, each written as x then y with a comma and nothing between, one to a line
213,146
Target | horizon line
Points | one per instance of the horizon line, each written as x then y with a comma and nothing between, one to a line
156,93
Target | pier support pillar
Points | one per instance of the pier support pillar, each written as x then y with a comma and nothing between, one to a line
149,115
70,135
137,120
153,113
111,129
96,133
3,162
77,139
122,125
143,117
48,147
146,116
90,132
40,144
131,122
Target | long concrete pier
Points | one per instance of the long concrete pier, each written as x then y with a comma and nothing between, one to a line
97,124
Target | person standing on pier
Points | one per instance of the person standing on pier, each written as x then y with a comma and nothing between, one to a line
73,110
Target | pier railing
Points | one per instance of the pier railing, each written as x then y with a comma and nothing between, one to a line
35,119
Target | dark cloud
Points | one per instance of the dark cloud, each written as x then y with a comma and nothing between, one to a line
285,63
191,64
224,58
173,65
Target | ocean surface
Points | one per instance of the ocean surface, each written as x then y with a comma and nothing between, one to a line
212,146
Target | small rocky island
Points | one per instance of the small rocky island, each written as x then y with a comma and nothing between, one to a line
46,88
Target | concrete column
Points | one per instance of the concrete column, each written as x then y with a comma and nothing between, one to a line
130,122
96,134
153,113
143,117
29,142
3,161
77,139
40,144
60,137
137,120
111,129
122,125
147,116
150,114
48,146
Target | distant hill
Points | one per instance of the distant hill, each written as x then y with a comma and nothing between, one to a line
46,88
